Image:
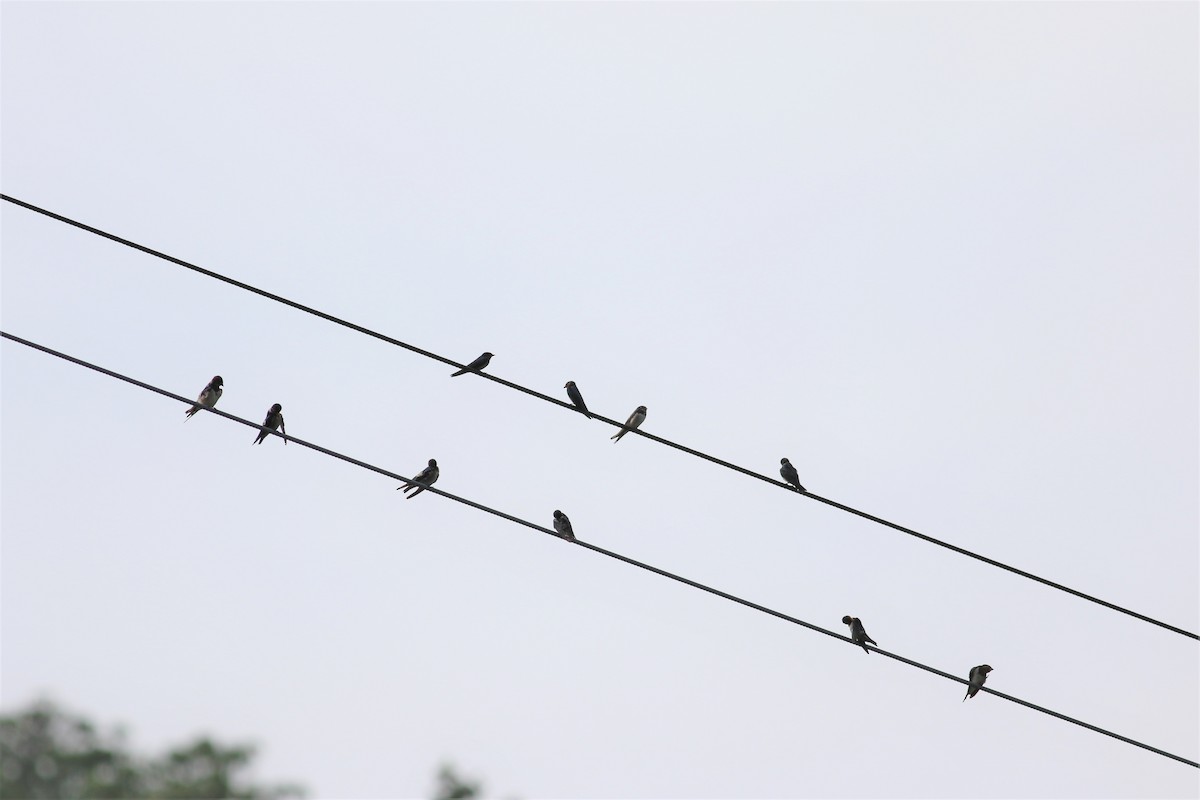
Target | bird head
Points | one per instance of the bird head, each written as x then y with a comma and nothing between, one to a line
433,462
784,461
846,620
568,384
275,409
218,380
557,513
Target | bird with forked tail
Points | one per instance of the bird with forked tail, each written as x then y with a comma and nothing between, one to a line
858,634
631,424
977,677
475,366
208,397
422,480
577,398
273,422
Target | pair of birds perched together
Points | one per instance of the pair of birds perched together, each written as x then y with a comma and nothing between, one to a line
858,635
635,419
428,476
212,393
786,470
633,423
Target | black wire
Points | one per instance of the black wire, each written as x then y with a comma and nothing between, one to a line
595,548
615,423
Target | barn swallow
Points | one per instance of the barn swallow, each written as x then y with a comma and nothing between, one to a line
790,475
425,478
977,678
576,398
475,365
208,398
858,634
274,421
635,419
562,526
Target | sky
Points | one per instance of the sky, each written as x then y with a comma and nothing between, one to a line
941,256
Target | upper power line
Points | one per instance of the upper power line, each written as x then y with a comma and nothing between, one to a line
600,550
616,423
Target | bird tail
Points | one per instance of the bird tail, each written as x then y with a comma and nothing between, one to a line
191,411
965,696
414,494
456,374
617,435
864,647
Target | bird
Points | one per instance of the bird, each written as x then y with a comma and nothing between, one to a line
635,419
208,398
977,678
475,365
423,480
576,398
858,634
562,526
790,475
274,421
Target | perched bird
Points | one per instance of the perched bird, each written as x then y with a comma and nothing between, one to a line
576,398
425,478
274,421
635,419
208,398
475,365
978,677
790,475
562,526
858,634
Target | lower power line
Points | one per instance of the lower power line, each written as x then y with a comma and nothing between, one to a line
601,550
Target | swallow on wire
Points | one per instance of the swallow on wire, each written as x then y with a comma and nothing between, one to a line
858,634
576,398
208,398
273,422
635,419
422,480
977,677
562,526
790,475
474,366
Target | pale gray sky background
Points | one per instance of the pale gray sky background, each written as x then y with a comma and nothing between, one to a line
942,256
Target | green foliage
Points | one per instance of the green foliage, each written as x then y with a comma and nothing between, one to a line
47,754
452,787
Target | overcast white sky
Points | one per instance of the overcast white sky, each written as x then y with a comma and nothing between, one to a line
942,256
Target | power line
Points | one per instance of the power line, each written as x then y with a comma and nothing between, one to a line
597,549
615,423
